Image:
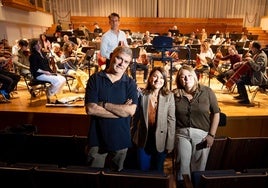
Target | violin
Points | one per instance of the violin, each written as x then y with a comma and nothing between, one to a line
215,63
198,64
52,63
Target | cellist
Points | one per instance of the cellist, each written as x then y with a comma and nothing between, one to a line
233,57
257,76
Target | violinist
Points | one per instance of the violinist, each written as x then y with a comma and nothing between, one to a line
233,57
21,61
202,63
68,64
45,43
40,70
8,79
257,76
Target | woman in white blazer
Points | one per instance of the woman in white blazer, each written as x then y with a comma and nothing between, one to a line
153,127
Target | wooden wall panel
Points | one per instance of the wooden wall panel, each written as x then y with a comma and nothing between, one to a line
161,25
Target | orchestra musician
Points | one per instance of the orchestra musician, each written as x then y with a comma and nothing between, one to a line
233,57
257,74
201,61
8,78
141,63
68,64
21,60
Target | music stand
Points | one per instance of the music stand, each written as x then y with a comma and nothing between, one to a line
174,32
163,44
69,33
79,33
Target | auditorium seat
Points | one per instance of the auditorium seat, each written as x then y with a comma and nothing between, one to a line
12,147
216,154
56,149
72,176
234,181
13,177
196,175
134,179
43,149
245,153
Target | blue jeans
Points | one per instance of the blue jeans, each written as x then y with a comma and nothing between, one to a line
154,161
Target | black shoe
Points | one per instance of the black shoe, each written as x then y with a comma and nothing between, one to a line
244,102
238,97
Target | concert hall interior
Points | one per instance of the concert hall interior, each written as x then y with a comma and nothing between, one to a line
29,112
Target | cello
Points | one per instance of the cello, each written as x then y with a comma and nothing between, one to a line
242,70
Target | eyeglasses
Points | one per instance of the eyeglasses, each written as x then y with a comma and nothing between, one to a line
122,60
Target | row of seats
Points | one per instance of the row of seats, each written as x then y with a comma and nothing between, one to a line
238,153
233,163
227,179
43,176
45,149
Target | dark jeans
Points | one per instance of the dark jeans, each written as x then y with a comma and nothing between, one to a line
138,66
149,158
9,80
221,77
241,86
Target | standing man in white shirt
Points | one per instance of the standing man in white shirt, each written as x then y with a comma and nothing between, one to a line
112,38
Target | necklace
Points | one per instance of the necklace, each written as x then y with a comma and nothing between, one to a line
153,99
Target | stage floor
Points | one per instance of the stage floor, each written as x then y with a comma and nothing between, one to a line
22,102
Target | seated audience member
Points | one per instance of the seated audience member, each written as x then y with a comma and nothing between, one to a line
233,57
256,75
40,69
153,127
21,60
8,79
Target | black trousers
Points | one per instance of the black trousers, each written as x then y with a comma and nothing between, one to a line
9,80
